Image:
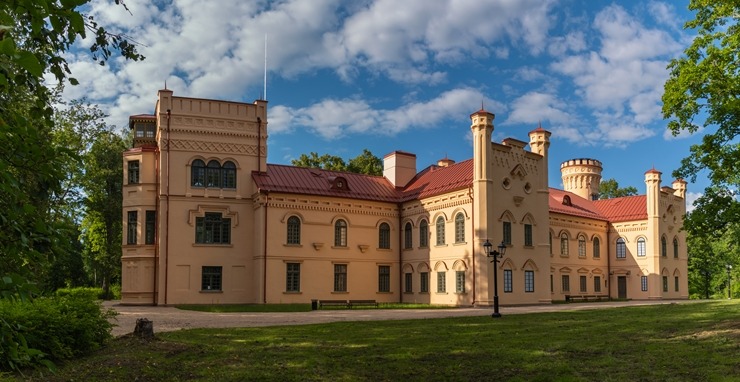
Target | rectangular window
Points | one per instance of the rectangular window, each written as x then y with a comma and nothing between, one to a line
384,278
441,282
665,283
408,283
340,277
597,284
133,172
131,236
212,229
151,219
675,279
529,281
528,235
643,283
293,277
460,281
583,282
508,285
507,233
211,278
566,283
424,282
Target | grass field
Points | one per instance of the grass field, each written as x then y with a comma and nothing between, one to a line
673,342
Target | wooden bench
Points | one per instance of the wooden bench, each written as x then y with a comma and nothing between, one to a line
342,303
353,303
571,298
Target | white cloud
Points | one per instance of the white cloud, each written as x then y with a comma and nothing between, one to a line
534,107
622,81
691,197
332,118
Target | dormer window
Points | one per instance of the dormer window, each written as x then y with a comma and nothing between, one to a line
566,201
338,183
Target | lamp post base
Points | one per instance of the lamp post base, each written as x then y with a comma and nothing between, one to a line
496,315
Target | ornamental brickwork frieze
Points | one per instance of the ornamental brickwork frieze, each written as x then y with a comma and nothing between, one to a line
214,147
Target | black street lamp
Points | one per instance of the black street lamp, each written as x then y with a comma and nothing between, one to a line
495,256
729,281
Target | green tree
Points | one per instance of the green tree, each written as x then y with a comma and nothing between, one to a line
702,92
610,189
35,36
101,226
326,162
365,163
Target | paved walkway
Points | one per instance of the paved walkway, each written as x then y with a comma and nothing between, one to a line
169,318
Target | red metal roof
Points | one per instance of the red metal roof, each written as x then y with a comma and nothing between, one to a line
578,206
435,180
313,181
623,209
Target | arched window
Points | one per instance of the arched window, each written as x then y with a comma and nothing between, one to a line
581,246
423,234
407,239
621,249
597,248
213,174
198,173
384,236
340,233
675,248
440,231
459,228
228,175
563,244
641,251
663,247
294,230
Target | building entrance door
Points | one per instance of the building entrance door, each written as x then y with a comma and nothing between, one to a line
621,286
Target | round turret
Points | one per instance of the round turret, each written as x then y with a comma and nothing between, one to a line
582,177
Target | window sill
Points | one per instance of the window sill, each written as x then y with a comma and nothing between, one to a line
211,291
293,245
384,249
460,243
211,245
408,292
440,245
339,292
621,259
383,292
441,293
339,247
289,292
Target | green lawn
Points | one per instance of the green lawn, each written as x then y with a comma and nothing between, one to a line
674,342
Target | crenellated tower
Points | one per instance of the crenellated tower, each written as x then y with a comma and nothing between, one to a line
582,177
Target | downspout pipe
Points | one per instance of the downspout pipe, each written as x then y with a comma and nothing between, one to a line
402,232
264,244
167,218
155,291
472,250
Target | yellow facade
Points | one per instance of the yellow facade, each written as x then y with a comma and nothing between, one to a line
208,221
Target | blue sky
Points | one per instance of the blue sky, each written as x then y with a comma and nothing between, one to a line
405,75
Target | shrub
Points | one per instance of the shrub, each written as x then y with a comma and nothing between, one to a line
62,327
84,293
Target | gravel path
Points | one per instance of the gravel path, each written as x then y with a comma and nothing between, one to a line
167,319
